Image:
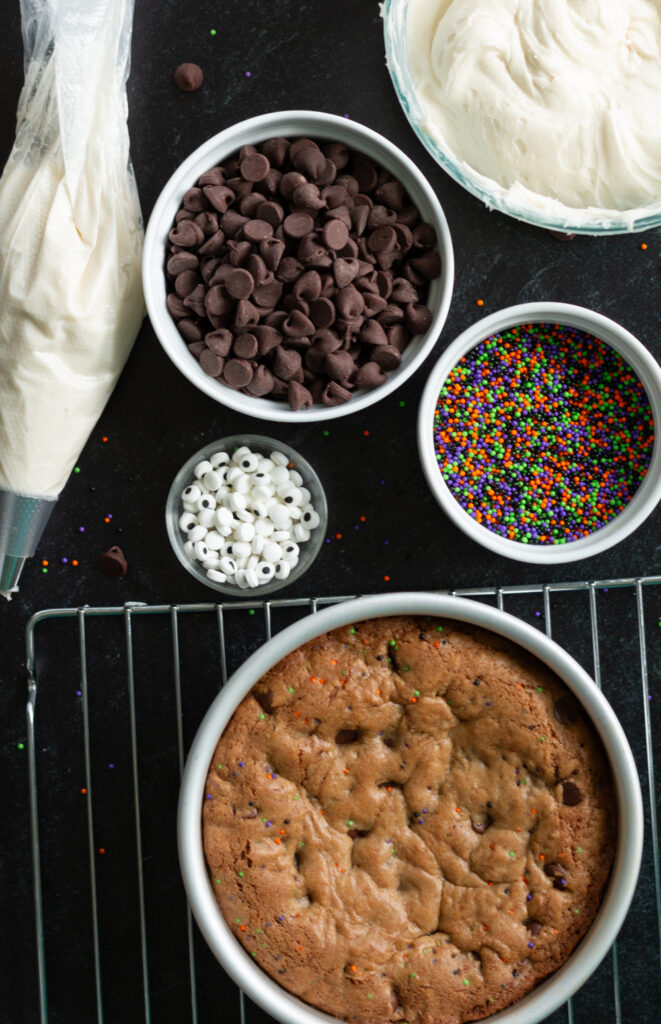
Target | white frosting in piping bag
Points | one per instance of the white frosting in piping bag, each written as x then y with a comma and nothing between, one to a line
558,98
70,243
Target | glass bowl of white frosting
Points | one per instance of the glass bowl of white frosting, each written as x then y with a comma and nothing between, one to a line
546,112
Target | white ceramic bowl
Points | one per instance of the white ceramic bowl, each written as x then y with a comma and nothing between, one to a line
292,123
551,993
633,352
520,203
262,446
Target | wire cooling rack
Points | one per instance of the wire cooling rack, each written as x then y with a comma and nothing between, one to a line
120,694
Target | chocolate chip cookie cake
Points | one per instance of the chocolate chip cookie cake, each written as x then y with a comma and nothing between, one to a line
409,820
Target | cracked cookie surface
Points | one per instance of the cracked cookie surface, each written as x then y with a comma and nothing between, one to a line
409,819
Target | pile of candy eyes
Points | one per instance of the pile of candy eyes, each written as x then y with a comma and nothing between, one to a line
245,516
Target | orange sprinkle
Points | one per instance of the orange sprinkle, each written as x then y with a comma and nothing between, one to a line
352,967
484,927
555,931
83,790
414,700
44,561
338,536
346,771
333,661
282,831
387,579
489,883
377,692
533,811
479,302
542,856
389,789
363,519
102,849
74,561
643,245
104,439
243,927
299,948
366,433
437,643
277,842
458,810
491,846
107,519
323,811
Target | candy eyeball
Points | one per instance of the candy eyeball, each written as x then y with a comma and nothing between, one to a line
244,516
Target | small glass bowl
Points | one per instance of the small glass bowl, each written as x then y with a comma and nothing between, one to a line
261,446
565,219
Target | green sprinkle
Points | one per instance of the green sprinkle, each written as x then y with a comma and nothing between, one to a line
411,975
370,996
76,469
325,433
20,746
576,911
352,631
402,404
393,644
263,819
240,874
416,693
579,849
262,717
511,853
253,954
542,739
291,689
301,843
44,570
466,982
439,629
217,881
238,920
295,796
251,611
540,689
212,32
350,823
219,767
406,668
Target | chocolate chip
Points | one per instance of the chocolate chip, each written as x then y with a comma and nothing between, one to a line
418,318
262,382
561,236
382,239
567,710
571,794
188,77
275,150
211,363
267,295
245,346
369,375
186,234
219,341
334,394
112,563
534,927
480,826
358,833
346,736
286,363
310,161
257,230
254,167
335,234
220,196
339,366
265,699
554,870
238,373
298,396
239,283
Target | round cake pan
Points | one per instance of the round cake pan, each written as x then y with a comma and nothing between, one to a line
291,124
632,351
551,993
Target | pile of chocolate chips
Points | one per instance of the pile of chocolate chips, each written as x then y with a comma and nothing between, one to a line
299,271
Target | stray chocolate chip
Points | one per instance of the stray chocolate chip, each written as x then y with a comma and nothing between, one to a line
571,794
265,699
481,826
554,870
188,77
112,563
534,927
346,736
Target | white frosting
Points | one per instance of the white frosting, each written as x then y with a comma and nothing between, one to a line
70,244
551,102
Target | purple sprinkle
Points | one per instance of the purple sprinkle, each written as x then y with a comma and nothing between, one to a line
356,527
248,74
537,614
79,693
111,766
109,516
421,821
386,542
81,529
268,824
531,945
209,796
281,918
529,897
328,540
433,961
64,561
488,703
242,764
382,482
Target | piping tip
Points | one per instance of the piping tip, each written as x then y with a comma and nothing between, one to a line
11,568
22,521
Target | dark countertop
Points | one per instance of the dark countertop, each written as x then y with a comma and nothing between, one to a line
385,529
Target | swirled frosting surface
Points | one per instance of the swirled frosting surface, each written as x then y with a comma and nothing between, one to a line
558,97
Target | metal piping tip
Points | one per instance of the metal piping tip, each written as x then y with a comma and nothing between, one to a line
22,521
11,568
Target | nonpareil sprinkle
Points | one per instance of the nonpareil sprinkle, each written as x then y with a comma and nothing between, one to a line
543,433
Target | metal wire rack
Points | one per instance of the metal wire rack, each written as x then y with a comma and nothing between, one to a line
121,691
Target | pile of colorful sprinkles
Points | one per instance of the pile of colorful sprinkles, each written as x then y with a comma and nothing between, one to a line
543,433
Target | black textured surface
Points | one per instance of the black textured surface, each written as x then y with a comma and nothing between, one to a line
327,57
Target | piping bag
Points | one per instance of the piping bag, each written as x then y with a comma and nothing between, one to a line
70,246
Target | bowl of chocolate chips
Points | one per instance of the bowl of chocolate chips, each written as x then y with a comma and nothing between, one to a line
297,266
